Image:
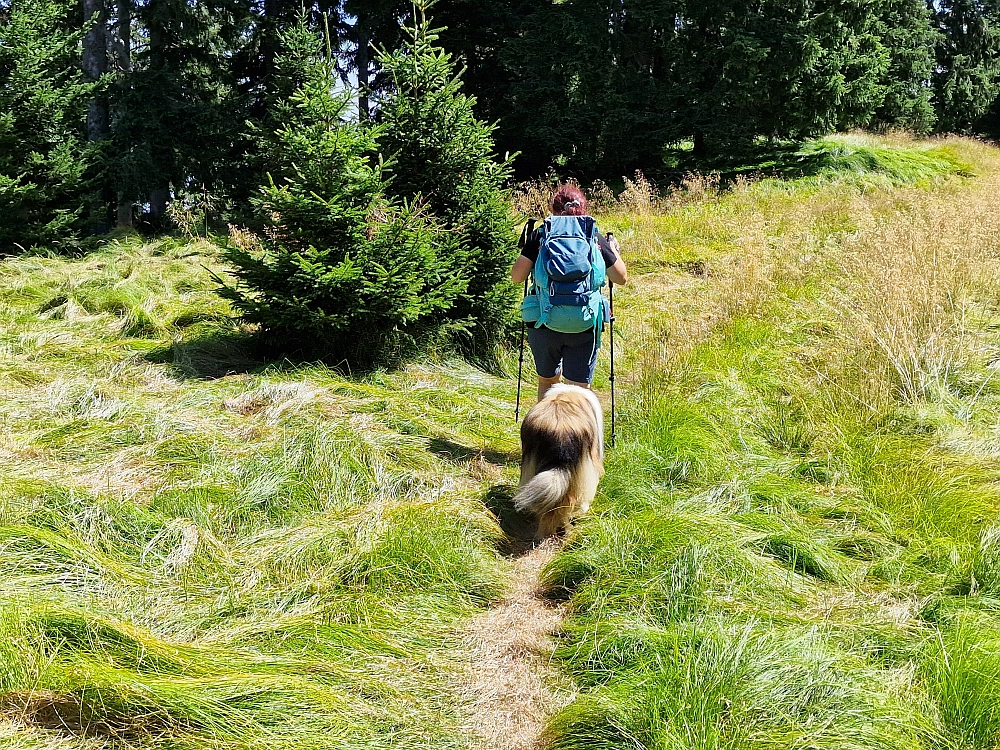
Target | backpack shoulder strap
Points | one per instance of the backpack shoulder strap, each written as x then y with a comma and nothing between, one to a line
539,276
529,228
600,267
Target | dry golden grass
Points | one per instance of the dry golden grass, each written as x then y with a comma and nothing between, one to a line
907,268
914,290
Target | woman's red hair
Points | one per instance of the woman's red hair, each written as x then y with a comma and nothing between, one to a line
568,194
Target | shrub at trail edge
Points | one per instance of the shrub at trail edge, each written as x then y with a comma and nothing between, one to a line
442,156
339,270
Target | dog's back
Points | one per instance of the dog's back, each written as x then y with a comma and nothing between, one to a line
562,459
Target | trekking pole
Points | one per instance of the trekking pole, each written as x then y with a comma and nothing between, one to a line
520,364
611,332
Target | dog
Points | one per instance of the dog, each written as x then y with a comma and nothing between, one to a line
562,457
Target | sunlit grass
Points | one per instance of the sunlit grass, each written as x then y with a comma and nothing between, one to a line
202,548
795,544
803,504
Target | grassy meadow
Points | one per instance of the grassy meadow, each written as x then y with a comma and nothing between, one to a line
796,544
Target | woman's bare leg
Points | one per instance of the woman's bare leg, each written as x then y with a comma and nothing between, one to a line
545,383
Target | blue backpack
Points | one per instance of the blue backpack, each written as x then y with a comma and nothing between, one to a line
568,277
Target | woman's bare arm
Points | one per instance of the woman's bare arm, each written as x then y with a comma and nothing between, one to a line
618,273
522,268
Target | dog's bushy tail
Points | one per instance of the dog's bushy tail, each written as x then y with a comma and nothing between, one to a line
545,491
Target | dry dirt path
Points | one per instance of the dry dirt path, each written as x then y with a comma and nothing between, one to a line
511,684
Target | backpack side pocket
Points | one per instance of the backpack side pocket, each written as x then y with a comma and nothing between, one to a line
531,309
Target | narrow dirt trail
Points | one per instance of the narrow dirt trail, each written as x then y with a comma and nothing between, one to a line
511,685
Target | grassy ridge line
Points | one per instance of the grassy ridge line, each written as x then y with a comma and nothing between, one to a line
794,545
704,255
273,558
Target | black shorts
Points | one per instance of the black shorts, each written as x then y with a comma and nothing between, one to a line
574,353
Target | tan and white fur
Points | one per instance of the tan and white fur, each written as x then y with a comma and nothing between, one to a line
562,457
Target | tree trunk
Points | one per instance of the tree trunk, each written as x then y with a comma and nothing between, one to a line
95,64
158,195
124,214
158,203
273,10
363,40
700,145
123,27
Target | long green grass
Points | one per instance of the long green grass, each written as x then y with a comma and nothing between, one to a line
200,548
795,544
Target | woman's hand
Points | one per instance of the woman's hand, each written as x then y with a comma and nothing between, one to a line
618,273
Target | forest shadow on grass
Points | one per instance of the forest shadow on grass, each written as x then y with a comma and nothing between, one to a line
832,156
211,356
219,353
785,160
219,350
72,716
791,160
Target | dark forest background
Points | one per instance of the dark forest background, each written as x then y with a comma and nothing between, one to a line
110,109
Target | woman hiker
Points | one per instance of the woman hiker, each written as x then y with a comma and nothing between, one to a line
568,357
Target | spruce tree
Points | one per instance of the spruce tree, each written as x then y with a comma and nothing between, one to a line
906,31
967,77
442,157
178,114
584,90
339,270
44,157
375,25
601,87
477,35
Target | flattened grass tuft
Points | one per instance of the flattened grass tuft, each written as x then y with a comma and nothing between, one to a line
963,672
715,685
